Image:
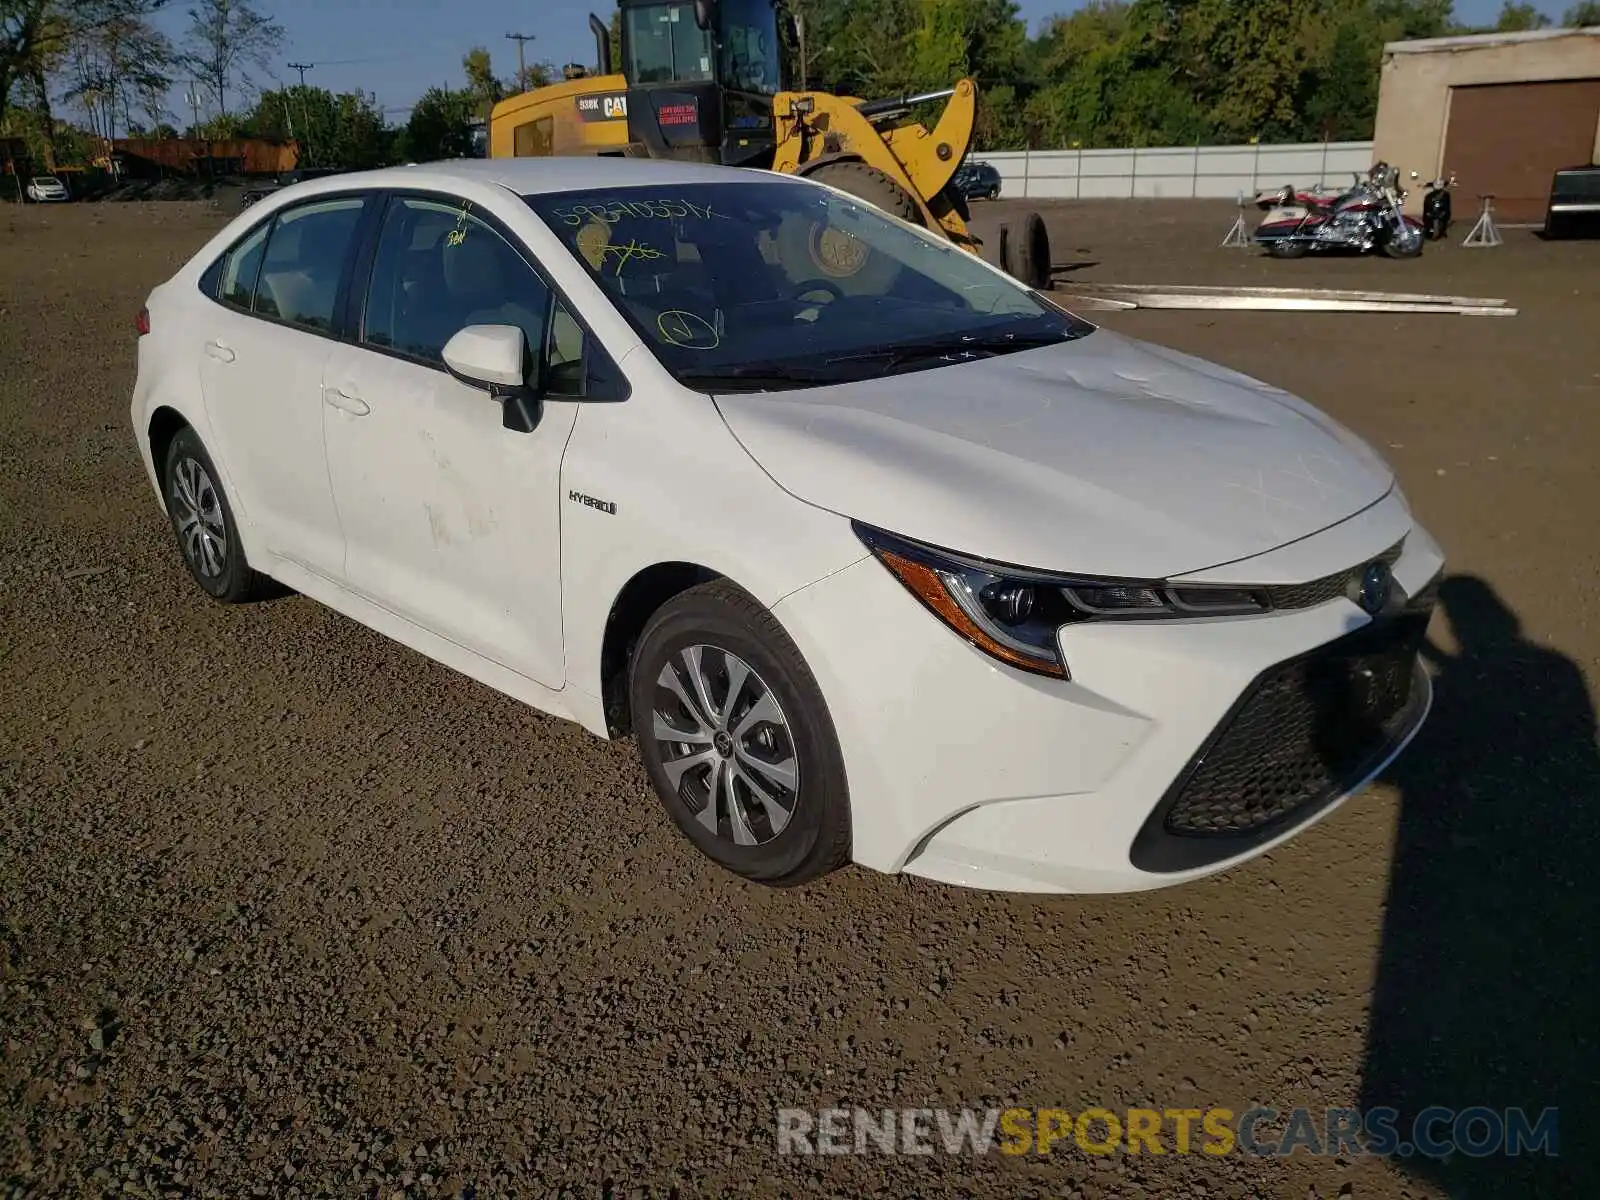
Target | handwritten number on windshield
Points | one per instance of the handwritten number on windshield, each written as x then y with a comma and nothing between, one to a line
630,250
612,211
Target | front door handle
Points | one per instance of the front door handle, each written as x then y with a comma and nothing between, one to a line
219,351
345,402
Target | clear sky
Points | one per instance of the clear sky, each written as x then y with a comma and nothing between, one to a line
397,48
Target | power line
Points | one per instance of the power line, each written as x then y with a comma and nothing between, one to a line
302,68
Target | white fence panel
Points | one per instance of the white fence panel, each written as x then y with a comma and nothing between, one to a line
1218,172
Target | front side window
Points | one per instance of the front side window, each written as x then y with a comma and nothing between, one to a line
783,283
666,46
304,261
438,269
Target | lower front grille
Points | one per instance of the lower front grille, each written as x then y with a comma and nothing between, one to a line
1303,734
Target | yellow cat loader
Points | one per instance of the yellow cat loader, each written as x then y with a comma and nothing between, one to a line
707,81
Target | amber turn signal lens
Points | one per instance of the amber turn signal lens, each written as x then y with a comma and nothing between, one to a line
925,583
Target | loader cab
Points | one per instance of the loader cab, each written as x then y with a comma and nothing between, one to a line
701,76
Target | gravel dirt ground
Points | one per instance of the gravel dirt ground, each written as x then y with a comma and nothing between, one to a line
287,910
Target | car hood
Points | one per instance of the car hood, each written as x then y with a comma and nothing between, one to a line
1106,456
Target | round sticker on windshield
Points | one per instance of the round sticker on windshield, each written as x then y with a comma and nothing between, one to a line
836,252
593,239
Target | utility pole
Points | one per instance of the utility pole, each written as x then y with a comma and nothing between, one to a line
194,102
305,120
520,39
805,62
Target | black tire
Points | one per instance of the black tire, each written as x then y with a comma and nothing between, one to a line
869,184
233,582
1395,249
816,836
1030,252
1286,249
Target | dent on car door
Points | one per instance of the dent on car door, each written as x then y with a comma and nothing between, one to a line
451,520
264,343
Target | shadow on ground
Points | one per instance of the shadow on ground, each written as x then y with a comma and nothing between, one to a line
1488,981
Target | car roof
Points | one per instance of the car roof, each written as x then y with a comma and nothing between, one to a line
534,176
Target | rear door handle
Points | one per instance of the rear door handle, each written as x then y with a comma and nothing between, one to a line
345,402
219,351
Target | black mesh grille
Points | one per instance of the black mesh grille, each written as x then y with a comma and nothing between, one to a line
1304,733
1329,587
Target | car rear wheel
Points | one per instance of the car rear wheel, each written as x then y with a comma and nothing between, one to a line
737,739
202,520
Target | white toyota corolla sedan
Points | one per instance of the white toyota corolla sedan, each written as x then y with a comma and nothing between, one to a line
878,555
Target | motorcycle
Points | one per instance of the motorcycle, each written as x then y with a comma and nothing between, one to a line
1436,218
1368,217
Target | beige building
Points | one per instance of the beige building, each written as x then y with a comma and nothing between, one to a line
1503,111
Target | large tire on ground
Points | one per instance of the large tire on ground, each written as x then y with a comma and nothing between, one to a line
203,521
1286,249
737,738
1029,247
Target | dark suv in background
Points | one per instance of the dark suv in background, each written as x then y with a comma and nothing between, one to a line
977,181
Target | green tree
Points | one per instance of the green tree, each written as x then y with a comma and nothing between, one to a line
225,38
1518,17
36,37
1580,15
344,130
1342,91
440,125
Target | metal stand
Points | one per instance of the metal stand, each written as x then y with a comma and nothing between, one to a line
1484,233
1238,236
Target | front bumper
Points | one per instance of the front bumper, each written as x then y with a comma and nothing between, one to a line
965,771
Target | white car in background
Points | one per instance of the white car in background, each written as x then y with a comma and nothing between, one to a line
44,189
879,555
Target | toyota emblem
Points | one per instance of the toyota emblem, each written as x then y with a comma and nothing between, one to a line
1375,583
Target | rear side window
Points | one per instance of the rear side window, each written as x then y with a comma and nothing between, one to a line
304,260
240,266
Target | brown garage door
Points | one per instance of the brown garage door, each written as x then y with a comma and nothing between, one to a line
1508,139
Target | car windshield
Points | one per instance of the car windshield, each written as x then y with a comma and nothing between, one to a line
777,284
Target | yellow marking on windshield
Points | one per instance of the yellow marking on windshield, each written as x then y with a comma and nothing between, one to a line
612,211
687,330
628,251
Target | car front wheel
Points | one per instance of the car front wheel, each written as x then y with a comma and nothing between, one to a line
737,738
202,519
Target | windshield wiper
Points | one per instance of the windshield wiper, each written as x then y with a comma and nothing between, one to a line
757,377
955,348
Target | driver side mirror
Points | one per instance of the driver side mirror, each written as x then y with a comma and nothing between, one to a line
491,357
705,13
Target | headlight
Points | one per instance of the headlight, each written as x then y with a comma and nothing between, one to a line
1013,613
